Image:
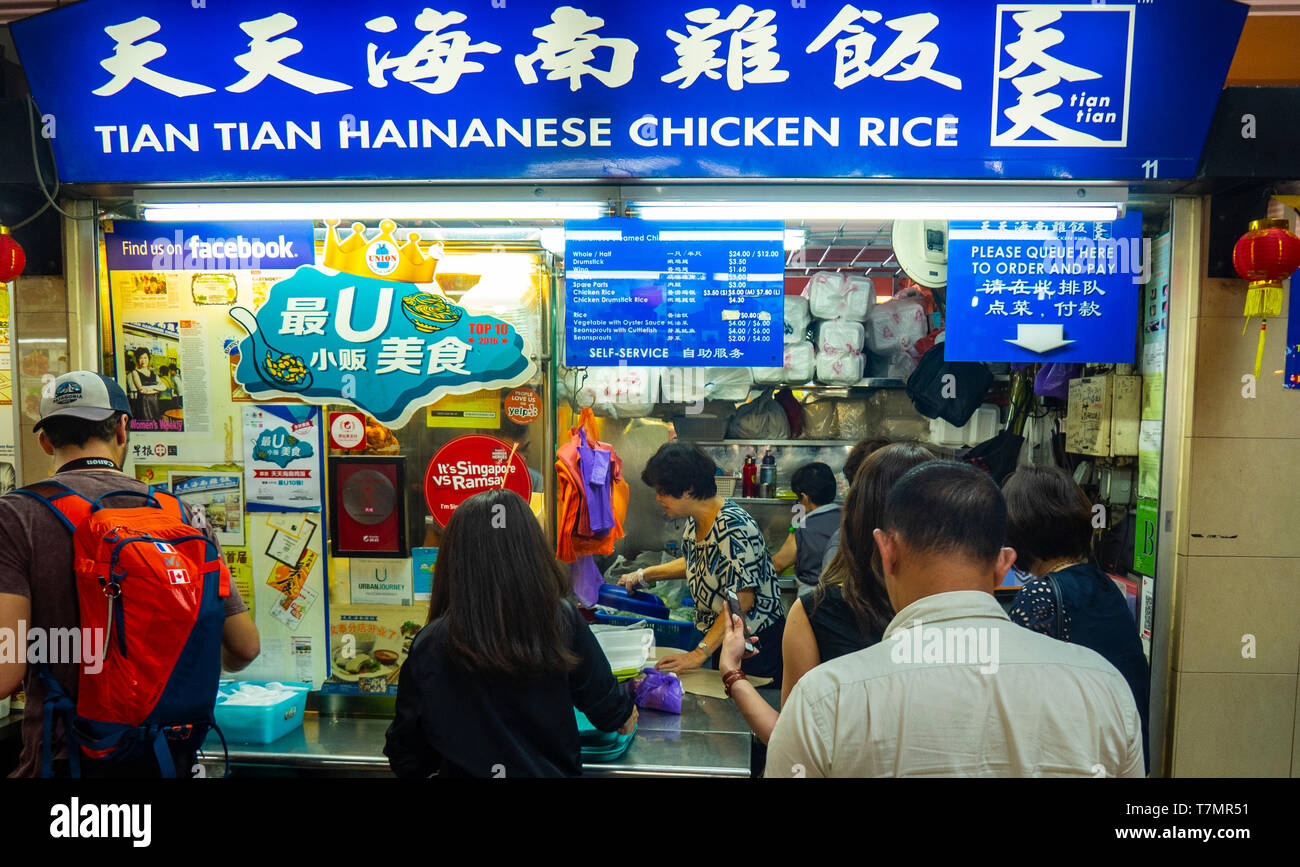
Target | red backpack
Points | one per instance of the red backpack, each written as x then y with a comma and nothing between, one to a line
151,586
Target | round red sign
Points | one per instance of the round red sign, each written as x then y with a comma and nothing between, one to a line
347,430
523,406
467,466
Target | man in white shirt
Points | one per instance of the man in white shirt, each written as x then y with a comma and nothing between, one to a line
955,688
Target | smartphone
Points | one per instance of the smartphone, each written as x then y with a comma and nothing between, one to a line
733,605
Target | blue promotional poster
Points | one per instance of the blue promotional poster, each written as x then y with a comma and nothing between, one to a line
168,91
665,294
371,329
282,459
1059,291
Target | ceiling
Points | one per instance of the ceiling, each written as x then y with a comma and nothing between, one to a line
12,10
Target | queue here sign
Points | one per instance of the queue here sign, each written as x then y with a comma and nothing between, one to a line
1061,291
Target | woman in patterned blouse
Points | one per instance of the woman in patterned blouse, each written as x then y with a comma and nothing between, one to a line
723,550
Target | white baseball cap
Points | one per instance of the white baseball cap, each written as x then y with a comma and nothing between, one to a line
82,394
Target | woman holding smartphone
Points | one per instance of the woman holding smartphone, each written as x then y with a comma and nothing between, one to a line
491,681
849,609
723,550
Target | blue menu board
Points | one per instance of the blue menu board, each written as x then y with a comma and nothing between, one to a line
1059,291
688,295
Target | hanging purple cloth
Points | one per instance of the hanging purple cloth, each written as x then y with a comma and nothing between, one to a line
594,467
1053,379
587,580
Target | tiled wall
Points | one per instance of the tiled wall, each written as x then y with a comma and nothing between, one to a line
1238,560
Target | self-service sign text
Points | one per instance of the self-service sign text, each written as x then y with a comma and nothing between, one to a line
648,293
1063,291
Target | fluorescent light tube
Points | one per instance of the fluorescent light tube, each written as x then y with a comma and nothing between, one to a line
218,211
1101,211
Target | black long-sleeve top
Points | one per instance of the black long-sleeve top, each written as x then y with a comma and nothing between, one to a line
455,723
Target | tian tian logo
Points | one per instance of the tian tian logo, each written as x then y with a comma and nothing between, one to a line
1062,76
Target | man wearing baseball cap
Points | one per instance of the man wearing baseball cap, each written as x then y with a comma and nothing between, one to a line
83,426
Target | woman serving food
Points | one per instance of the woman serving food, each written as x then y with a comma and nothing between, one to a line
724,552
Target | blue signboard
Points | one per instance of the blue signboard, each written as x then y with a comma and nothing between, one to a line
170,91
649,293
1046,291
140,246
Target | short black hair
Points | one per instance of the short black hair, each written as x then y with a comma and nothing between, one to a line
515,431
859,453
948,507
64,431
1048,516
816,480
681,469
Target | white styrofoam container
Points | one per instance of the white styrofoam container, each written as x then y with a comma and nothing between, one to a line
626,649
983,425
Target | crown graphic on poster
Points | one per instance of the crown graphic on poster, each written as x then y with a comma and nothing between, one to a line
382,256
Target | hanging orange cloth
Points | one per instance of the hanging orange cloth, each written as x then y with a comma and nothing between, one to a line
574,534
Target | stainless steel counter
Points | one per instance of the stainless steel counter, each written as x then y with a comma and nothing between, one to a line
709,739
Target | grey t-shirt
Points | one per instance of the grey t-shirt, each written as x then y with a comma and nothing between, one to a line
811,541
29,528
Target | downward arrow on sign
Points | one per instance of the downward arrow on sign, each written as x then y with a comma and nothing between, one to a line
1040,338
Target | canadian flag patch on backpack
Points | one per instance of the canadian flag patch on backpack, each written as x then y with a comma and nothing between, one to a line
151,585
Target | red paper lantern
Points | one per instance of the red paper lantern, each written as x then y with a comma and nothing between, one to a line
12,257
1265,256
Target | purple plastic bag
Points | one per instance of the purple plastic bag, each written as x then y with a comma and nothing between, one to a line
659,690
594,466
1053,379
587,580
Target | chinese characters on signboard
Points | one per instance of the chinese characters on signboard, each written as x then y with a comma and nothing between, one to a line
1061,291
607,88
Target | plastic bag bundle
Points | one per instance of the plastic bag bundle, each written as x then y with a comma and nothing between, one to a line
770,375
819,421
659,690
898,418
898,365
256,695
760,419
853,420
840,337
797,318
693,384
895,326
800,362
728,383
619,392
835,368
